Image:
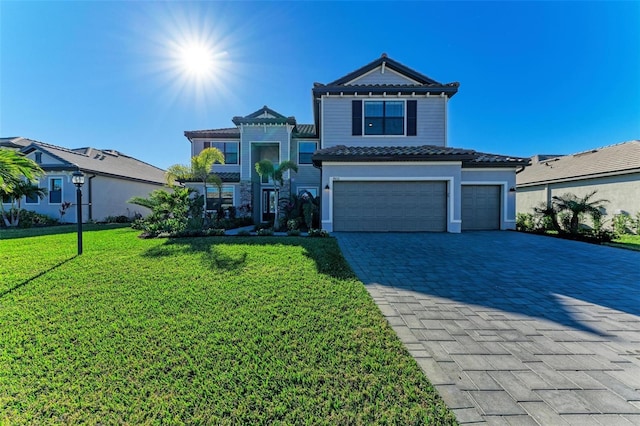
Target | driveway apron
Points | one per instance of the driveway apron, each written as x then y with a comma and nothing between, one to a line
512,328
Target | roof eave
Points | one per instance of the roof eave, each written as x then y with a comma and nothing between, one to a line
449,90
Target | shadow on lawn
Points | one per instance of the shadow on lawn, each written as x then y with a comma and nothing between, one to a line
323,251
27,281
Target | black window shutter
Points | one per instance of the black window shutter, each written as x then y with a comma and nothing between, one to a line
412,118
356,118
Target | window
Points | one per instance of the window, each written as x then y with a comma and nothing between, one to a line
55,190
305,151
6,199
229,149
213,197
34,199
384,118
38,157
306,190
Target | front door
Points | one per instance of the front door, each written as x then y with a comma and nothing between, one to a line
268,204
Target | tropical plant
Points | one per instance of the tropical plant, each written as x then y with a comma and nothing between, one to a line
15,191
576,207
265,168
15,167
171,212
199,170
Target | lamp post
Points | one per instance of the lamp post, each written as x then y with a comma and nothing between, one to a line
78,180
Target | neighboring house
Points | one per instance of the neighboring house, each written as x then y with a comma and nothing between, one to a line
377,154
111,178
614,171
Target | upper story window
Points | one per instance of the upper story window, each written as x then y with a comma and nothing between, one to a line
305,151
55,190
384,117
229,149
38,156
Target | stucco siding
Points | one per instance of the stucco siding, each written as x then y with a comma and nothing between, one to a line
336,124
110,196
623,193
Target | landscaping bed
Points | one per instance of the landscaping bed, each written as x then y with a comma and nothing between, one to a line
217,330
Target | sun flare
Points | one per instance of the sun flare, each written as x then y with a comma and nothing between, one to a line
196,59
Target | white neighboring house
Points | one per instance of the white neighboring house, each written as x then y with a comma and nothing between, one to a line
614,171
111,179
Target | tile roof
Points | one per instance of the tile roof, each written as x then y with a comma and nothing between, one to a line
305,130
469,157
224,176
621,158
229,132
424,84
101,161
264,115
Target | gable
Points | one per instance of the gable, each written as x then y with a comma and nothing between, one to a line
382,75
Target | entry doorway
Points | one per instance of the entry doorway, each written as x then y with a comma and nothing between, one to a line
268,204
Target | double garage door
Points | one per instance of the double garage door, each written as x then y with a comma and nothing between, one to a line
398,206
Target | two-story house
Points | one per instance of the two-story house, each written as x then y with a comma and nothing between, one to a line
377,154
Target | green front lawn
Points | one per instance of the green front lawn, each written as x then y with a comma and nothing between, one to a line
220,330
631,242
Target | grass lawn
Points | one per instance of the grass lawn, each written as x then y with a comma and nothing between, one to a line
219,330
631,242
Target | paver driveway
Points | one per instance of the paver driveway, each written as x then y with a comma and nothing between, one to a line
512,328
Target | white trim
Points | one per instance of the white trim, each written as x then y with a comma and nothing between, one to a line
321,119
348,83
306,188
49,179
392,163
448,179
37,203
489,169
504,196
446,121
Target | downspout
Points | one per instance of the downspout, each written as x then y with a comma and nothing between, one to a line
90,197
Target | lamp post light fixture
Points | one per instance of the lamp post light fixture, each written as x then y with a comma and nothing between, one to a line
78,180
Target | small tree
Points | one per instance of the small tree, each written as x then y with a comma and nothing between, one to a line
276,174
14,167
577,207
16,191
199,170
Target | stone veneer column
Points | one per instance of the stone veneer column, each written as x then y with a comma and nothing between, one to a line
245,197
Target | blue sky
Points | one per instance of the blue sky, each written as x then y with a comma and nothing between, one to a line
540,77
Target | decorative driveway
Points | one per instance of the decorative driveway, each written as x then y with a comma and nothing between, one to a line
512,328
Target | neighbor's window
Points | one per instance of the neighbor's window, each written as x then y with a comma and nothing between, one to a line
305,151
55,190
384,118
229,149
213,197
33,199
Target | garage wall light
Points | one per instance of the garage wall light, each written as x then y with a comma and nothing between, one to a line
327,187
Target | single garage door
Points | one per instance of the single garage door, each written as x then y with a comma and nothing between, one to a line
390,206
480,207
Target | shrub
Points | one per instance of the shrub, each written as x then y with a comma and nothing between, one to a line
264,232
621,224
28,219
216,232
243,233
318,233
117,219
260,226
293,224
525,222
293,232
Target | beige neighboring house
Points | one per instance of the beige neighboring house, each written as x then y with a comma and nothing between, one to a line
111,179
614,171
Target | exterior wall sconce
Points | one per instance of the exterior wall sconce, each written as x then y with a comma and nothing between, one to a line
512,189
78,180
327,187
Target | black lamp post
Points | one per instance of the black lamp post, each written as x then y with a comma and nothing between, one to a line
78,180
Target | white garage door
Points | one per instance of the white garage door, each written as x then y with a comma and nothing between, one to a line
390,206
480,207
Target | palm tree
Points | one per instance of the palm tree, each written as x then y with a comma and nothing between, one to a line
578,206
275,173
16,192
15,166
199,170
